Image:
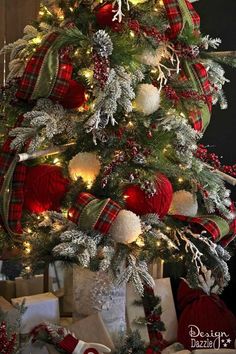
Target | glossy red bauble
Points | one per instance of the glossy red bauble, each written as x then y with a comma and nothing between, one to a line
75,96
140,203
45,187
104,16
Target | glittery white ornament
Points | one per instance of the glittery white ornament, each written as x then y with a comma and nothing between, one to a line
147,99
85,165
126,228
184,203
152,57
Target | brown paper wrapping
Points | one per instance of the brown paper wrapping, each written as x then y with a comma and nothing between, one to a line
214,351
90,329
68,290
163,290
9,311
7,289
31,286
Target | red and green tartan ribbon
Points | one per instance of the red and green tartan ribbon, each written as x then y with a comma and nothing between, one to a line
12,178
197,74
92,213
181,14
215,225
47,73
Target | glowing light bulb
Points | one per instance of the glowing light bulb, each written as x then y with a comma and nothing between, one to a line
132,34
180,180
130,124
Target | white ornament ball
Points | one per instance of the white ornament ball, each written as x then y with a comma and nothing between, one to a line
184,203
151,57
85,165
147,99
126,228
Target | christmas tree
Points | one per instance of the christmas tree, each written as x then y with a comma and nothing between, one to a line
101,162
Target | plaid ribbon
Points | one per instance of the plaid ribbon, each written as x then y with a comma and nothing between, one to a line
216,226
90,212
232,234
181,13
12,178
197,74
46,74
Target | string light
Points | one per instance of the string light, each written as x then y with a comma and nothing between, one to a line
56,161
27,247
139,242
132,34
130,124
180,180
125,197
158,243
29,231
168,229
36,40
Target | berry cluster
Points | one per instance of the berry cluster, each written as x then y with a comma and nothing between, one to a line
211,158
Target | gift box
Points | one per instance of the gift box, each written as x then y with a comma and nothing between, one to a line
39,308
163,290
10,313
68,297
91,329
7,289
31,286
175,348
214,351
94,292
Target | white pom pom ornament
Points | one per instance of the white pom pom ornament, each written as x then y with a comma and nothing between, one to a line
147,99
126,228
85,165
151,57
184,203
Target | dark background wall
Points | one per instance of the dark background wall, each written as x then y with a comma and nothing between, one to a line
218,19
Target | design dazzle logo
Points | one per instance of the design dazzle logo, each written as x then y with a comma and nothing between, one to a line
208,340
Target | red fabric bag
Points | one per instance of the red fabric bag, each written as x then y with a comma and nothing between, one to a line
205,322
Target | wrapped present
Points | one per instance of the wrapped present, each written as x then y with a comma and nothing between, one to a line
68,290
41,307
7,289
94,292
10,313
97,333
174,348
162,289
31,286
214,351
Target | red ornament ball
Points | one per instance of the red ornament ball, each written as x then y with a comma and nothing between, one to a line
140,203
104,16
75,96
45,187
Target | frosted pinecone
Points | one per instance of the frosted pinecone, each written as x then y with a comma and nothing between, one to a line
102,43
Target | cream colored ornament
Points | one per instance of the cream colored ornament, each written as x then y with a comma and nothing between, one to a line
126,228
147,99
152,57
184,203
85,165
